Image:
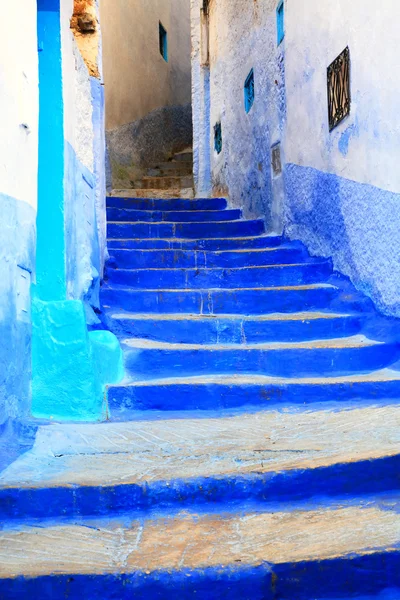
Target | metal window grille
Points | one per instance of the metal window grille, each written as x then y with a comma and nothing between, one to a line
163,42
339,98
249,91
218,138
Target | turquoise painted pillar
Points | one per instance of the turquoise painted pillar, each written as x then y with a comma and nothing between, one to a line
50,251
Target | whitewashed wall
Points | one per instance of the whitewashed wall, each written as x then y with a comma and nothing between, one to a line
343,187
242,36
18,202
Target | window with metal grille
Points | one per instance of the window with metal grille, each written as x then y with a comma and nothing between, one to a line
249,91
163,42
218,138
339,95
280,21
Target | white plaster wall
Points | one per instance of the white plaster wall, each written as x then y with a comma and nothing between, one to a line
19,104
364,147
242,36
78,127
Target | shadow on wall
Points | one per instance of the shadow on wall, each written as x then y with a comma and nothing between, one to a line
155,138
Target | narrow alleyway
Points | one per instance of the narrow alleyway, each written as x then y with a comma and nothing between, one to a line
250,450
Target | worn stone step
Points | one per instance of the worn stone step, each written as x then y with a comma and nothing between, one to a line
312,271
254,301
165,182
145,216
215,245
185,230
147,359
82,470
215,329
167,204
215,392
253,555
200,259
184,157
172,168
157,193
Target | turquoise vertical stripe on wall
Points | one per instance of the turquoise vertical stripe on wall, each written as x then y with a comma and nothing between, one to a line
50,257
280,21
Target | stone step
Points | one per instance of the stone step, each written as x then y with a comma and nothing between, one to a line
185,230
157,193
167,204
217,244
166,182
146,216
184,157
315,270
284,299
147,359
83,470
172,168
252,555
200,259
237,329
253,391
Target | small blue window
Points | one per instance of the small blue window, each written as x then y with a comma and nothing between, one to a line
218,138
249,91
163,42
280,21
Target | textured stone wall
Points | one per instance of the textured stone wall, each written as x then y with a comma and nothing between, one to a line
343,187
242,36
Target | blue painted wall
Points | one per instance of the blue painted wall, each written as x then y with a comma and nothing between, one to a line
17,259
50,258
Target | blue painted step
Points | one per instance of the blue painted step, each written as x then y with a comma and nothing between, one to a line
245,277
217,244
135,259
146,216
219,392
146,359
186,230
240,301
166,204
211,329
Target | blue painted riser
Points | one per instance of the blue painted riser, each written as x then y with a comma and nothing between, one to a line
246,277
221,493
206,244
299,362
370,577
147,259
247,301
185,230
235,331
147,216
166,204
215,396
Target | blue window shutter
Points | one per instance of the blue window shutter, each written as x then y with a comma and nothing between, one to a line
280,21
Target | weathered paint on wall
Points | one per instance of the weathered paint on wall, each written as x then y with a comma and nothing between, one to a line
242,36
137,78
18,200
66,381
148,99
343,187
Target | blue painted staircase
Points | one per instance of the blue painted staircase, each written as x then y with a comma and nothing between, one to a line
252,450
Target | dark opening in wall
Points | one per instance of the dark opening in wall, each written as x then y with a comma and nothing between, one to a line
339,95
280,21
218,138
163,42
249,91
